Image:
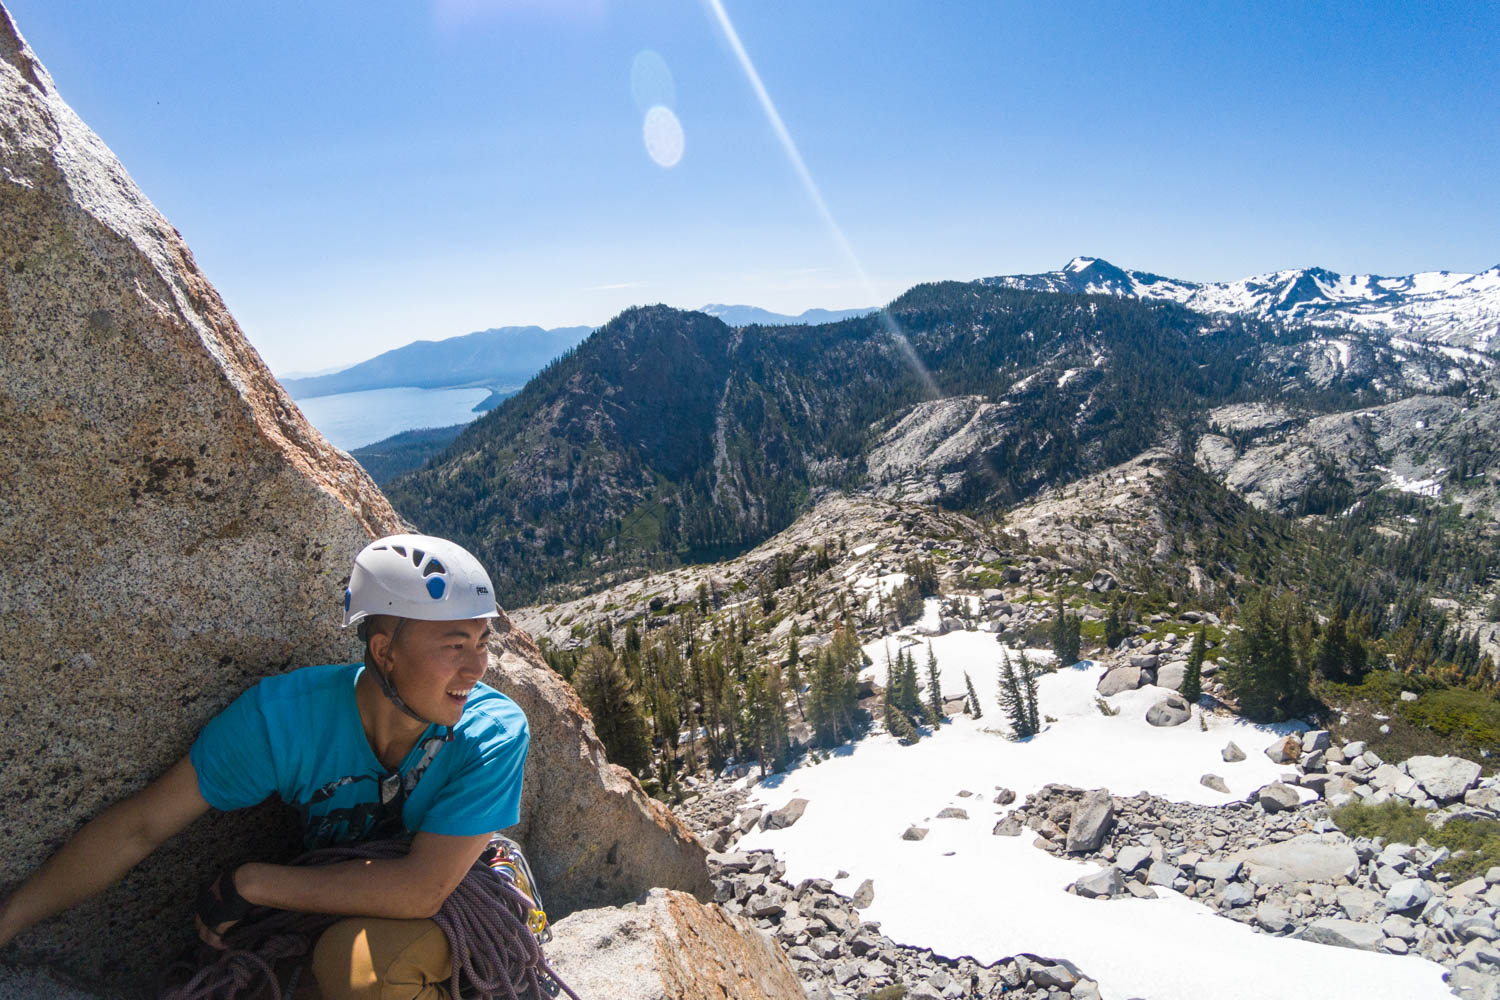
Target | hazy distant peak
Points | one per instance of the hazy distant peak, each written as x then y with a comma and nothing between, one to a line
742,315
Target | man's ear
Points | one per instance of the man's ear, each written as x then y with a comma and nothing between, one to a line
379,644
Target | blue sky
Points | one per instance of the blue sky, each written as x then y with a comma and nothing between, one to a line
354,176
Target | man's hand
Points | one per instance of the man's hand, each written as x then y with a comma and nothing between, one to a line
220,907
213,938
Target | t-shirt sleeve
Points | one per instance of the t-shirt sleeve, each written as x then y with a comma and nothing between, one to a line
232,756
485,794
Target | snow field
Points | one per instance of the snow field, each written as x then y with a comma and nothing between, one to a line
964,891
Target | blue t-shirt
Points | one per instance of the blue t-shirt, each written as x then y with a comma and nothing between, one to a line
299,735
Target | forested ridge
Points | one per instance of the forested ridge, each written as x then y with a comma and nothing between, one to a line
668,437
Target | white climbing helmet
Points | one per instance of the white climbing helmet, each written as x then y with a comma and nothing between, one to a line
418,576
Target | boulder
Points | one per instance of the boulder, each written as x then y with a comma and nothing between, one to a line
1309,857
1142,661
1285,750
1408,894
953,812
1315,739
1102,884
780,819
1171,675
864,895
1170,711
1343,934
668,946
1104,581
1445,779
918,832
1215,782
175,530
1120,679
1231,753
1276,797
1132,857
1092,817
1273,918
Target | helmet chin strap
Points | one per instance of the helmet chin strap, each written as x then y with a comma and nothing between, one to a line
389,689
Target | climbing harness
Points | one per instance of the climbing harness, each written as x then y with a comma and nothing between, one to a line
490,922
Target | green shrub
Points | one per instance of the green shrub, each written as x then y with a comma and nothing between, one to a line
1475,843
1469,717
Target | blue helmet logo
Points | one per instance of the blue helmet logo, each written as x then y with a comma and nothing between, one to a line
435,587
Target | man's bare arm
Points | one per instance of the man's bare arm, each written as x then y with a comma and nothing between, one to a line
105,848
412,886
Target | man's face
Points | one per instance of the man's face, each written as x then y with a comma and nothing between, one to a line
435,665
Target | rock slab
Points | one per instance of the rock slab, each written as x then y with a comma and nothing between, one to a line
669,946
172,530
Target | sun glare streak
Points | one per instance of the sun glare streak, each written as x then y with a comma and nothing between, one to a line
816,195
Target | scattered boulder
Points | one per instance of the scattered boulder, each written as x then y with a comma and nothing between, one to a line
1305,858
1103,582
1231,753
918,832
864,895
1172,710
1091,821
1171,676
1215,782
1102,884
1286,750
1276,796
1445,779
1315,739
784,817
1408,894
1142,661
1343,933
1120,679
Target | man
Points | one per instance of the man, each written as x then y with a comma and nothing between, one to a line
408,743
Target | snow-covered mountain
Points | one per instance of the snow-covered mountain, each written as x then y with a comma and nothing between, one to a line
1443,307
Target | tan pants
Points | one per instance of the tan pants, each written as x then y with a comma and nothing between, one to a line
369,958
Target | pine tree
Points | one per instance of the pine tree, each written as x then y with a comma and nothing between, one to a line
1067,636
1192,676
605,689
934,688
1264,670
1028,672
974,708
1114,629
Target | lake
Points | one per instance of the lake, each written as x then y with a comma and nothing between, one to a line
352,419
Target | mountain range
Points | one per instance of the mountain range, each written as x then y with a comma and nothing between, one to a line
506,356
1445,307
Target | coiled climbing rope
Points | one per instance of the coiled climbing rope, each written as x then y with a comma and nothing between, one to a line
486,920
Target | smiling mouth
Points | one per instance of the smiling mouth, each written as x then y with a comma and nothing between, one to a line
459,697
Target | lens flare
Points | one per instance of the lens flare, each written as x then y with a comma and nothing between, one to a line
651,81
816,195
663,135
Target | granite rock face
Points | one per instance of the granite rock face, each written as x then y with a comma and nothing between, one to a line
172,530
670,947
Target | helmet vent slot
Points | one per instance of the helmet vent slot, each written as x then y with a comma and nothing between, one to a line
399,550
416,557
433,566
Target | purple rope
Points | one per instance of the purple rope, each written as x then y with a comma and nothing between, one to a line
495,955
